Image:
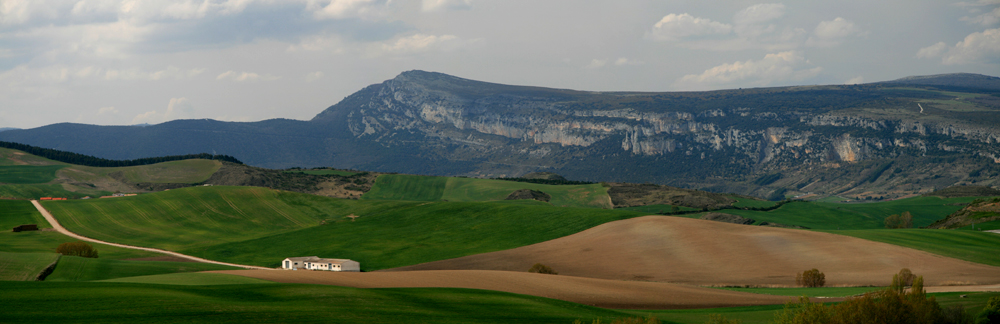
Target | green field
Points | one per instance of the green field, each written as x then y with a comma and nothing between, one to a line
425,188
190,279
183,171
28,174
324,172
72,268
832,216
204,221
985,226
19,212
107,302
979,247
809,292
656,209
747,202
35,191
24,266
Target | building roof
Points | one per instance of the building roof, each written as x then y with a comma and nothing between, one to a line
319,260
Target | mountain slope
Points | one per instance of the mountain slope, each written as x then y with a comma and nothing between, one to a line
879,140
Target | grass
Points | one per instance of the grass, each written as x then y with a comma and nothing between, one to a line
656,209
747,202
979,247
984,226
24,266
183,218
72,268
832,216
183,171
46,242
202,222
324,172
35,191
190,279
425,188
808,292
109,302
28,174
19,212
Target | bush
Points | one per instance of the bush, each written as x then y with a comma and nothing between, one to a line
719,319
904,278
899,221
990,313
77,248
888,306
810,278
541,268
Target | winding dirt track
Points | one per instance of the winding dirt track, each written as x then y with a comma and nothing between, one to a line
700,252
59,228
588,291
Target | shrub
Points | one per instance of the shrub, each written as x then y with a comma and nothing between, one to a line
990,313
810,278
904,278
541,268
888,306
77,248
899,221
719,319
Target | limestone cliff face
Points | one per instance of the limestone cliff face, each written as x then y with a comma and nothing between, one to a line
455,110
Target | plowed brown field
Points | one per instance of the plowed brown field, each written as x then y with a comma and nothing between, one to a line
588,291
699,252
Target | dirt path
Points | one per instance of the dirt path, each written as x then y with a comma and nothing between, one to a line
58,227
706,253
588,291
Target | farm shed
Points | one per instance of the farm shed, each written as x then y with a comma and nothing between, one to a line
317,263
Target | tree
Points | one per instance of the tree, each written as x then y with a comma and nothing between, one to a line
890,305
77,248
990,313
810,278
541,268
903,279
899,221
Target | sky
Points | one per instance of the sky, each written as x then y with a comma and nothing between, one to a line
126,62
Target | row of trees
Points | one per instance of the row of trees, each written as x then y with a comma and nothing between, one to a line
899,221
77,248
87,160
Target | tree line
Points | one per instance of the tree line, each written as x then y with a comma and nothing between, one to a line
87,160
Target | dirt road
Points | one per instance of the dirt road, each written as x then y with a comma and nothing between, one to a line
58,227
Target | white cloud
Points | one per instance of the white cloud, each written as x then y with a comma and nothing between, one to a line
341,9
831,33
855,80
759,13
107,110
627,61
596,64
986,19
420,43
313,76
177,108
932,51
443,5
245,76
675,27
777,67
979,47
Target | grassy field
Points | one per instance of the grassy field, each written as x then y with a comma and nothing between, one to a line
28,174
424,188
985,226
324,172
262,226
18,212
832,216
979,247
656,209
746,202
106,302
184,171
72,268
190,279
184,218
24,266
35,191
808,292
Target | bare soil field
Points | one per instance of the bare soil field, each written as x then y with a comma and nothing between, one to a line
707,253
588,291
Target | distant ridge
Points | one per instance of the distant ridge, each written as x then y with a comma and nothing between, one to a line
966,80
86,160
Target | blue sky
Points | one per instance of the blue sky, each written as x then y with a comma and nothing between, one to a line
122,62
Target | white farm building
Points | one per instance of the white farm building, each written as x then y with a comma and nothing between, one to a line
317,263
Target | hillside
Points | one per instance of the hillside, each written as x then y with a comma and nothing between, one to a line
699,252
879,140
979,211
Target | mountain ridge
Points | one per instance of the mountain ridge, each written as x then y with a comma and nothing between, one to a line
861,141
